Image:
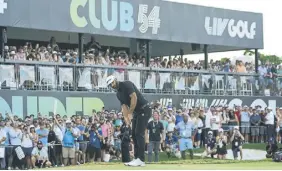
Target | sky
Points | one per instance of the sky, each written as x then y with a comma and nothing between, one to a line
272,23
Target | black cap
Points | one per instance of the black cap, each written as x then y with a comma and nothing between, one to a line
39,143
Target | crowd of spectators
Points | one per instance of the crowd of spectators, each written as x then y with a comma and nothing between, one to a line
41,141
94,54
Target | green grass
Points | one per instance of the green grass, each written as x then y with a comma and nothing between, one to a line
262,165
196,164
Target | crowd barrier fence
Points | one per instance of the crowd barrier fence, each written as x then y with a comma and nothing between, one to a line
30,75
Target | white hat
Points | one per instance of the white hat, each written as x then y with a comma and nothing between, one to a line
110,79
68,121
220,130
210,132
236,127
12,52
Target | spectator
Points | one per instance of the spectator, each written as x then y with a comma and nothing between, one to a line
210,145
269,122
255,122
155,130
221,141
95,137
3,137
245,123
40,156
68,144
236,143
27,146
42,133
15,135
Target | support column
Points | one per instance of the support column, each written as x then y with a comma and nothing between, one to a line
144,48
206,56
148,52
256,60
3,41
80,48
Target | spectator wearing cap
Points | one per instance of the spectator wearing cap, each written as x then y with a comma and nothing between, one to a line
68,144
40,156
255,120
118,121
171,143
186,132
13,55
3,137
95,137
178,116
210,145
221,141
155,131
42,133
236,143
269,122
245,123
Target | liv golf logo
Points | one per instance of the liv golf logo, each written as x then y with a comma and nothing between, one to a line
230,102
242,29
3,6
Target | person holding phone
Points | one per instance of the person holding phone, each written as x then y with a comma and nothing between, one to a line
236,143
133,102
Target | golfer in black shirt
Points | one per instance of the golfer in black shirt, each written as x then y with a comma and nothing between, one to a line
134,106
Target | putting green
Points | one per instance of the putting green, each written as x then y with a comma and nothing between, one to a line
263,165
196,164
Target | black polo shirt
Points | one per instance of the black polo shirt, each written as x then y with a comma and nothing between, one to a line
155,129
125,89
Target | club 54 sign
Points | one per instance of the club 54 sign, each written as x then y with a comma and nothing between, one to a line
115,15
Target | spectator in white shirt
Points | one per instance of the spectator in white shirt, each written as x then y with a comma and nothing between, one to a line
269,122
262,72
15,135
40,156
27,146
208,115
3,137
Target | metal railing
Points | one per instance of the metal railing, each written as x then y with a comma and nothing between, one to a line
30,75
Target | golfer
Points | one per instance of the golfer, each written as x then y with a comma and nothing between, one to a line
135,108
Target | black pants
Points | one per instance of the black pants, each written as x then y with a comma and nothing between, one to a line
125,156
52,155
205,134
270,131
139,124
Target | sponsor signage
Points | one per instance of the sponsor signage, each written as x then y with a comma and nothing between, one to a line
140,19
22,103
